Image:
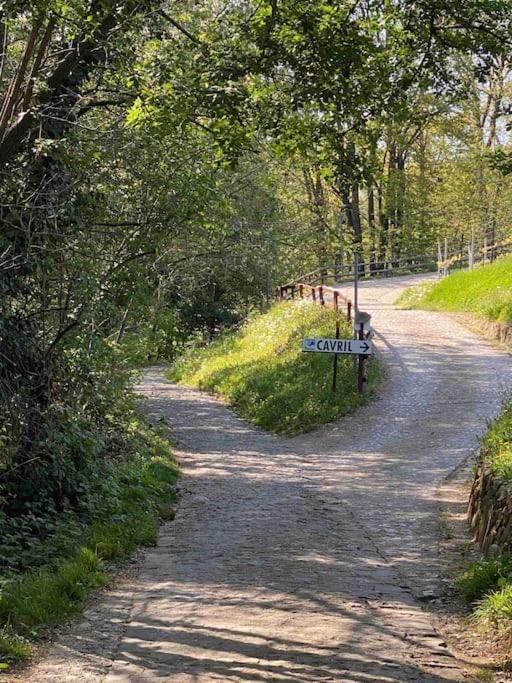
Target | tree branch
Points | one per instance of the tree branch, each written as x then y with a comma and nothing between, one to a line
180,28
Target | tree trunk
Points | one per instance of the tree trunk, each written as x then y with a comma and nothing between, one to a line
371,219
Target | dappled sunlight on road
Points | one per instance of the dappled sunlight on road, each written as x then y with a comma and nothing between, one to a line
303,559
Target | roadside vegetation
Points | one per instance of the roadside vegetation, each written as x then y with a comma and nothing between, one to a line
164,165
485,291
261,370
487,584
51,560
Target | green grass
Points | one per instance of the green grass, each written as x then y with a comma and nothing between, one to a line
263,373
490,580
33,601
497,444
485,291
481,578
495,610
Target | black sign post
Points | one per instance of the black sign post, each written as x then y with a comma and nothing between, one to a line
335,360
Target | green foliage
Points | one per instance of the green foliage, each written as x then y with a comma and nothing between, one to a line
46,584
485,576
490,580
495,610
160,337
47,598
263,373
13,648
497,445
486,290
159,183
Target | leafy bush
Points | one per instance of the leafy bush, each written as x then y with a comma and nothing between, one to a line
495,609
497,444
52,559
484,576
263,373
161,337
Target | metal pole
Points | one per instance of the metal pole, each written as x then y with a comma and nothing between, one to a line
356,297
335,361
356,282
360,364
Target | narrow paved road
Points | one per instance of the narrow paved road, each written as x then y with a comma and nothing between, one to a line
307,559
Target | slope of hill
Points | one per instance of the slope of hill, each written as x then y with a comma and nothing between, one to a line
264,375
485,291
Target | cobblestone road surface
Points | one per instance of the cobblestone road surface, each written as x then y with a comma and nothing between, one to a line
307,559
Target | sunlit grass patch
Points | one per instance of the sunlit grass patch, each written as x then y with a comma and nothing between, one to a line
412,296
263,373
486,291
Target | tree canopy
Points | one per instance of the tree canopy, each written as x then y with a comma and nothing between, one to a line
164,165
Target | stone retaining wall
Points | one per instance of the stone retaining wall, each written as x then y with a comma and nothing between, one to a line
490,502
490,511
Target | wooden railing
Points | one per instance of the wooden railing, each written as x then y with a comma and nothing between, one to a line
467,258
367,269
315,285
321,294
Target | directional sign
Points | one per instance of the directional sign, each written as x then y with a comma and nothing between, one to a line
356,347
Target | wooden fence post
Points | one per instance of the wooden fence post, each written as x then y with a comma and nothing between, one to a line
321,295
301,291
335,301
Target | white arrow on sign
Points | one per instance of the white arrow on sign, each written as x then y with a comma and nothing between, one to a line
357,347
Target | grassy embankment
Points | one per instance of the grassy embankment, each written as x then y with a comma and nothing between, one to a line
488,583
486,292
264,375
44,582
